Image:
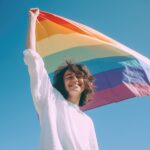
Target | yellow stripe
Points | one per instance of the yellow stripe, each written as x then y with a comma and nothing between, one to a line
58,43
61,42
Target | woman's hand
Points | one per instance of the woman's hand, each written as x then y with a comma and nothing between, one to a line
31,36
34,12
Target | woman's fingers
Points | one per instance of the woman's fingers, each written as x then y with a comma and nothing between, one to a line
34,9
34,12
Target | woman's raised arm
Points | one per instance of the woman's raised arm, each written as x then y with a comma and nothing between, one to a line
31,37
41,87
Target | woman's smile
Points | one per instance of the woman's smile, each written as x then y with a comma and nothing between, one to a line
73,82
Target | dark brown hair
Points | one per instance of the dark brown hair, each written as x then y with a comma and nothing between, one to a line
58,81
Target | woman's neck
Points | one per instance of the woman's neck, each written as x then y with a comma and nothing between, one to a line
74,99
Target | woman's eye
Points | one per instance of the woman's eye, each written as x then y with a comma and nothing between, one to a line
79,76
70,77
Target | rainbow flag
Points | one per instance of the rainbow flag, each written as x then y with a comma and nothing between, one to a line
120,72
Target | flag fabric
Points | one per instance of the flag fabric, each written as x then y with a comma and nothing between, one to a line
120,72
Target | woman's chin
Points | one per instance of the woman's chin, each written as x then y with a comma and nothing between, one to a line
75,91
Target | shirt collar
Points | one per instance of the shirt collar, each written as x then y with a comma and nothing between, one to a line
76,106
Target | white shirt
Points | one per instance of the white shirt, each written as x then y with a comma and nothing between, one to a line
63,125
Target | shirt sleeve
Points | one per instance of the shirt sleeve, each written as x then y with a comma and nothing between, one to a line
41,87
93,139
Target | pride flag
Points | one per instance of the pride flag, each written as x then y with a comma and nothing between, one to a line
120,72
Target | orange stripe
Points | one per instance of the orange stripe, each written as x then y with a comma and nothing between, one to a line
46,28
44,15
72,26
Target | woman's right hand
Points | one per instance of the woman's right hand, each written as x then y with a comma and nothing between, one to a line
34,12
31,36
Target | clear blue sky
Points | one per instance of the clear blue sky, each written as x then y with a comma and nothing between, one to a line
119,126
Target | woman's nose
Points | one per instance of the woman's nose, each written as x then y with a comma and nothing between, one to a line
75,78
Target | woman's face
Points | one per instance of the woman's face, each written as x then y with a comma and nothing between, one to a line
74,83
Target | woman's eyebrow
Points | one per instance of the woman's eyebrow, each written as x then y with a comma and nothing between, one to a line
68,74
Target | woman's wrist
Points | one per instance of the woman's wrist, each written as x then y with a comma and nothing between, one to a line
32,19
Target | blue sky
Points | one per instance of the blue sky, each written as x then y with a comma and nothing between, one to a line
119,126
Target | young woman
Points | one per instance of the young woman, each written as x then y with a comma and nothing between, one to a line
63,125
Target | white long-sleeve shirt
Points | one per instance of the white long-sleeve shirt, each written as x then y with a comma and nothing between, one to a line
63,125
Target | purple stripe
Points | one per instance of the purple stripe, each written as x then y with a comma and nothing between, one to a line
118,76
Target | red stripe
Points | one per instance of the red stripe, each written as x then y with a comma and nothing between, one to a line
47,16
115,94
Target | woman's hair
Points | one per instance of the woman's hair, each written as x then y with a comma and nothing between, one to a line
58,81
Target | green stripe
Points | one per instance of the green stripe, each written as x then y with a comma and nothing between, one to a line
80,54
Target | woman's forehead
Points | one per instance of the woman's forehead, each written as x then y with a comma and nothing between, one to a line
69,72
